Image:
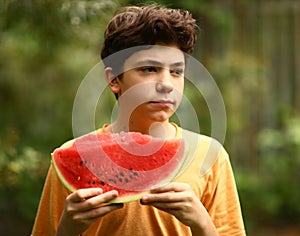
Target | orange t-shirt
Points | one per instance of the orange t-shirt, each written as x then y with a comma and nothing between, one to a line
208,172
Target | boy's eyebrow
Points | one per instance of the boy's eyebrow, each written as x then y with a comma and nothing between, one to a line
150,62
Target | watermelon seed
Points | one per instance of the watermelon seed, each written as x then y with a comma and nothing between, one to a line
126,180
122,174
80,163
112,180
134,172
94,182
89,182
102,183
120,180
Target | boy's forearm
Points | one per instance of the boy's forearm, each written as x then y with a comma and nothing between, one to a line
204,229
64,232
204,226
65,229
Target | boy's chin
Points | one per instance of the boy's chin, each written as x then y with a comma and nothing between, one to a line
161,117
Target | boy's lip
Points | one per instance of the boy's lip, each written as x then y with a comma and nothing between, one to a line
162,102
166,101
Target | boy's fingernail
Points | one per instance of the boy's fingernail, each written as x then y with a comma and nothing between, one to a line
145,198
99,191
115,193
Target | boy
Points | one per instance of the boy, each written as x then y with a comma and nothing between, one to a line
148,81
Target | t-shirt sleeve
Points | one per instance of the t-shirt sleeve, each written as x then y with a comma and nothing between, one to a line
221,199
51,205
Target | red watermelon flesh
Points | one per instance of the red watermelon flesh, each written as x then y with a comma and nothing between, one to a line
129,162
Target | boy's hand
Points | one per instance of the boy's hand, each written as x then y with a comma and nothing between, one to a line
179,200
83,207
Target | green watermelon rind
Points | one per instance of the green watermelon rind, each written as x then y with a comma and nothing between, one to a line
60,176
129,198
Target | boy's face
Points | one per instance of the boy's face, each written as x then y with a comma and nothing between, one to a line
152,83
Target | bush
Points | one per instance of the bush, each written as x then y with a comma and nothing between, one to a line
270,194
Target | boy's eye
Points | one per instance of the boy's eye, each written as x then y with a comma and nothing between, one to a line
148,69
177,71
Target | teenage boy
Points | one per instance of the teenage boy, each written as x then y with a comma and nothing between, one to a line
148,81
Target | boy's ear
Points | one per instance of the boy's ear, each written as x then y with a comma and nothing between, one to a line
111,80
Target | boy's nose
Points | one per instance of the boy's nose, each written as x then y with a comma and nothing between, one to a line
164,84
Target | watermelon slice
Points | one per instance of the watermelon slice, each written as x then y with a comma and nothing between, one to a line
129,162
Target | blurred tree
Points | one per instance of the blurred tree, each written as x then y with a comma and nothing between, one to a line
38,40
46,49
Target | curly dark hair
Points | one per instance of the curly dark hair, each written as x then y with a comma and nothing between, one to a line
149,25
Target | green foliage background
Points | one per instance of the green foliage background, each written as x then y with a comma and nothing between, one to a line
47,47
